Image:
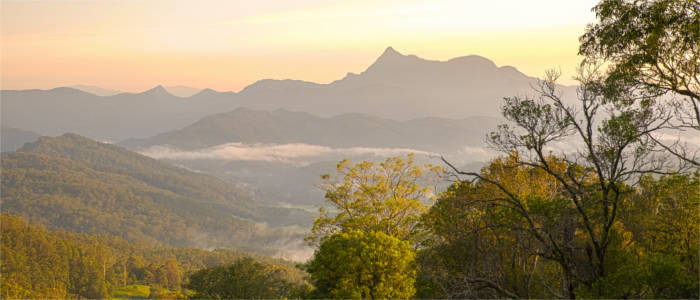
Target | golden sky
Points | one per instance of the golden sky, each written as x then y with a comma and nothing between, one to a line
226,45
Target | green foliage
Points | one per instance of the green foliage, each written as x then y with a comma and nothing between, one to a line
661,218
480,248
649,275
653,44
36,263
573,221
354,264
77,184
652,48
388,197
133,291
157,292
663,215
244,279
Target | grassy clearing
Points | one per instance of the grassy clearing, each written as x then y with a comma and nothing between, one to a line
134,291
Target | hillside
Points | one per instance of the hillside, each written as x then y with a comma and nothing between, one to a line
38,263
73,183
13,138
281,153
249,126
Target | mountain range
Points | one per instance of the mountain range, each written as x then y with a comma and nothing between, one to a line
248,126
395,86
177,90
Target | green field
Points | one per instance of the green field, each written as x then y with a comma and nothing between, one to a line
134,291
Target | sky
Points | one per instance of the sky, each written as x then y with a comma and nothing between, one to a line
226,45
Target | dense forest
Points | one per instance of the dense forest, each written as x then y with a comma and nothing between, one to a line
392,246
74,183
514,234
37,263
597,198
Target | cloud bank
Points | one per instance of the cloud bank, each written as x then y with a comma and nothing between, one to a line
285,153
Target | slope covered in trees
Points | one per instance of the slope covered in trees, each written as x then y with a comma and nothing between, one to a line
37,263
77,184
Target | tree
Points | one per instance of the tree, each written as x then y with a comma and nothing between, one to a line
389,197
172,271
356,264
588,184
663,218
479,247
244,279
653,48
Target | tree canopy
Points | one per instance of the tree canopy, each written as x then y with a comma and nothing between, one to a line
37,263
654,44
484,245
652,48
356,264
244,279
387,197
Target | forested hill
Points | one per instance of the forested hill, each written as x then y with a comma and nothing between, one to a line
281,126
74,183
37,263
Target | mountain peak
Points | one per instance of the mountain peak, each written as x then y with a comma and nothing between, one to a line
390,51
391,60
206,92
390,54
182,91
159,90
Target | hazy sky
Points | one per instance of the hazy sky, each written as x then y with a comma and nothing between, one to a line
226,45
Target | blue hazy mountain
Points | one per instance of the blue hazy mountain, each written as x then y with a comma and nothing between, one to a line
395,86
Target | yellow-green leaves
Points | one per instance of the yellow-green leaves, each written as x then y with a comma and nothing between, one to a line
356,264
388,197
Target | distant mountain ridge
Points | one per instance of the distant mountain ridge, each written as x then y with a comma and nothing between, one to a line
400,87
182,91
395,86
12,139
281,153
110,118
95,90
178,90
347,130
